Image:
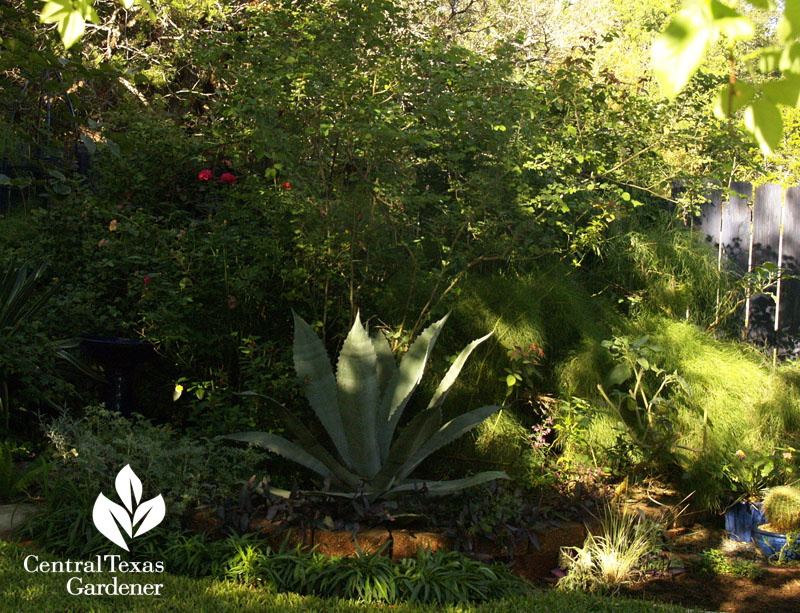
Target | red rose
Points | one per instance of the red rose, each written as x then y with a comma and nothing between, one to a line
205,175
227,178
147,280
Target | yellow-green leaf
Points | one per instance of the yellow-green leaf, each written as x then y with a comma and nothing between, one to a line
678,50
729,100
769,58
789,26
784,91
731,23
71,28
790,59
55,10
146,6
762,119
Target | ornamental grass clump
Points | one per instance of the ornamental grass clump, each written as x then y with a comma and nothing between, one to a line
360,408
604,563
782,507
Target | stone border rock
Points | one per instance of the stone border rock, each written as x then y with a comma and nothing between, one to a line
527,560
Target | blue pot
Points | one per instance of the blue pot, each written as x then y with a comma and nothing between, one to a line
741,518
773,545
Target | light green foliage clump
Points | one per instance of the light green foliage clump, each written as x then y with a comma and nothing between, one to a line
737,402
24,591
13,478
714,562
782,506
92,448
360,408
430,578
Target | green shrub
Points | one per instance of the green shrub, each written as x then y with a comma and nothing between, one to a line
89,452
14,479
737,402
611,559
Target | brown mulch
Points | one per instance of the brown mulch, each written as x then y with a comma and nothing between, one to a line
777,591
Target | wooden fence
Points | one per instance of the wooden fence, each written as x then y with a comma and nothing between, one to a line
749,229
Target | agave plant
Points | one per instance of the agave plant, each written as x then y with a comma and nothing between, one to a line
360,408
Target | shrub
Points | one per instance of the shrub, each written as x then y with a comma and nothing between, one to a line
714,562
430,578
92,448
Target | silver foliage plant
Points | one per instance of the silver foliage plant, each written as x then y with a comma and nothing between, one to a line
360,408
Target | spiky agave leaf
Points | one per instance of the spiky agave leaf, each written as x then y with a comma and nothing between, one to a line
307,441
405,381
447,434
452,373
281,446
425,424
385,360
313,367
440,488
358,396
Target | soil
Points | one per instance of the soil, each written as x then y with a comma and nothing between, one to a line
778,590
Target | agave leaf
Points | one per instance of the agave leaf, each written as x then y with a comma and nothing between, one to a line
308,441
18,301
357,383
452,373
447,434
287,449
440,488
405,381
386,365
314,368
422,427
62,351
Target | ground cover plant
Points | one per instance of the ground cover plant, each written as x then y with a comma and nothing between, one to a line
713,562
24,592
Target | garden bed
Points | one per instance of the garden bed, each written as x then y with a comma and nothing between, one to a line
776,589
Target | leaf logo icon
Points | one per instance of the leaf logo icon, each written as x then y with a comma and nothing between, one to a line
114,520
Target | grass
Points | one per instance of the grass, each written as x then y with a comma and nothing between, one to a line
749,405
610,559
21,592
548,308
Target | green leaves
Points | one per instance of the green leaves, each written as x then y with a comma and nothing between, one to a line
730,99
72,15
360,409
678,51
763,121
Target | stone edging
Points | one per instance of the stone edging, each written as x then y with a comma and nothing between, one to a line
528,561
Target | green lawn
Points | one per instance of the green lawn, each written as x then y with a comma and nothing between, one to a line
23,591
